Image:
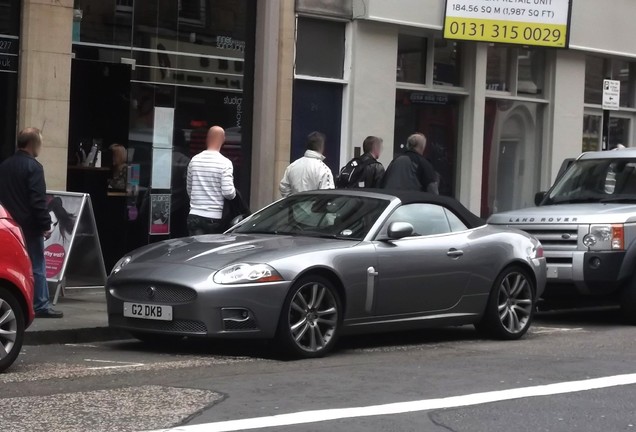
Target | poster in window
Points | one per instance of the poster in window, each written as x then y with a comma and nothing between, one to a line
159,214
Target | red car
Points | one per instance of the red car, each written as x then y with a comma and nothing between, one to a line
16,290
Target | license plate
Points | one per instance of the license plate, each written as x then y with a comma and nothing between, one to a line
147,311
553,272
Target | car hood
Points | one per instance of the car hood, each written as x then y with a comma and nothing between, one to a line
587,213
217,251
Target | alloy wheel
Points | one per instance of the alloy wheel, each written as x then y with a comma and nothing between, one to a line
8,328
515,302
313,317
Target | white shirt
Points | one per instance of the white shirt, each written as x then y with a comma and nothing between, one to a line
306,174
210,180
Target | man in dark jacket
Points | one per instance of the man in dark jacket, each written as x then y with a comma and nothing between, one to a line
365,171
411,170
23,194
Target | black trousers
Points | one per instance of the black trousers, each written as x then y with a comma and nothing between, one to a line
198,225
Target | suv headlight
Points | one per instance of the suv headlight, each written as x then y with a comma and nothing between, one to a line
605,237
246,273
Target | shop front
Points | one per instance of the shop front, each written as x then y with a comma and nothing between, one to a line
148,79
9,60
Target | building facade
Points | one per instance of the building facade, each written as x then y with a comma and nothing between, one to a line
500,119
152,75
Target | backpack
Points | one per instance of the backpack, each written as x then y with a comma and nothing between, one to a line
352,174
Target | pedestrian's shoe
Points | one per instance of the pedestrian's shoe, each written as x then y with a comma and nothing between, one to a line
49,313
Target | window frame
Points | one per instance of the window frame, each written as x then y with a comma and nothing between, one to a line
512,71
201,22
429,71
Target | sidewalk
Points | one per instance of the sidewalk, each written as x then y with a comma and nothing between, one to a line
85,320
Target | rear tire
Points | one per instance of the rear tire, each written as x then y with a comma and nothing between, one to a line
311,318
511,305
12,327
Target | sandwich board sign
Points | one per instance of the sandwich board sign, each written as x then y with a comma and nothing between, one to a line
73,253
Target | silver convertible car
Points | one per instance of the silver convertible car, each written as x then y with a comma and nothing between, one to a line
317,265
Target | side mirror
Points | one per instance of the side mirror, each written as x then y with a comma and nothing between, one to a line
539,197
400,230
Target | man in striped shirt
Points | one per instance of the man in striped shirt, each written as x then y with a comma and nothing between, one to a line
210,181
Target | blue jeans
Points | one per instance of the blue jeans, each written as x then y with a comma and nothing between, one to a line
35,249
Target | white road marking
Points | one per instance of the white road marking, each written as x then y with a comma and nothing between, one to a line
305,417
81,345
117,364
550,330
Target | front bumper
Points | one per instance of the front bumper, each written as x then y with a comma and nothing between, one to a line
200,308
593,273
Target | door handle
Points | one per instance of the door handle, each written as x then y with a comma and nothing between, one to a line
455,253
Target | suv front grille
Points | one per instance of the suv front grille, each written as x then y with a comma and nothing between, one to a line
554,237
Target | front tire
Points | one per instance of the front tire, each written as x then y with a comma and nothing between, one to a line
12,327
511,305
311,318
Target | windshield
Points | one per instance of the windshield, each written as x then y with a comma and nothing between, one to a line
596,180
330,216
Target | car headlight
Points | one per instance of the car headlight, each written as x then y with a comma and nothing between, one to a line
605,237
246,273
120,264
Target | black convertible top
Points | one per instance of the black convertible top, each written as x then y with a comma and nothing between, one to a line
411,197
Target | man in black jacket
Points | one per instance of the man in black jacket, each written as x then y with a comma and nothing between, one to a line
365,171
23,194
411,170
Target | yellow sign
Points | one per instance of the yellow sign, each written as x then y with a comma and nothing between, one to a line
525,22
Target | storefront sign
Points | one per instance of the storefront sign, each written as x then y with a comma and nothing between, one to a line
611,94
8,45
8,63
525,22
159,214
429,98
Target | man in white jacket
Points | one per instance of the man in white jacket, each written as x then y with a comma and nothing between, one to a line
309,172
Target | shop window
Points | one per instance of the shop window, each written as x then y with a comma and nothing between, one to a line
621,72
512,155
320,48
594,75
531,71
124,6
9,51
192,12
447,66
411,59
591,132
498,69
9,17
436,115
618,132
186,78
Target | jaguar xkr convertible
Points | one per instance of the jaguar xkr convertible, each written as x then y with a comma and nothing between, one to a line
317,265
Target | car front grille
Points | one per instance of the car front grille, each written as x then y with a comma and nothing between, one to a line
157,293
176,326
554,237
